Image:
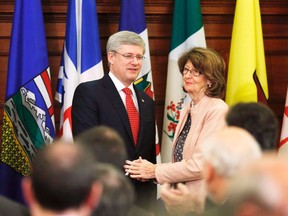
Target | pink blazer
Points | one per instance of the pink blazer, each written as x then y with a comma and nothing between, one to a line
207,117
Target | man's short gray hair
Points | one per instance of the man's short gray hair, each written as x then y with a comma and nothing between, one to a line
124,38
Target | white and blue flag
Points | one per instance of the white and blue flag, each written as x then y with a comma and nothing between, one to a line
81,57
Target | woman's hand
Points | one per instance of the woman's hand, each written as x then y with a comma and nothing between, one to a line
140,169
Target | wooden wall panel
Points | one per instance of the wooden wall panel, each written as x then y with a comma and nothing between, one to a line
218,22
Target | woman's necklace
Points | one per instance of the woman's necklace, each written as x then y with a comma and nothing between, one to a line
192,103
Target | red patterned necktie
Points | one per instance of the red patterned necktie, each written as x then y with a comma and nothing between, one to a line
132,114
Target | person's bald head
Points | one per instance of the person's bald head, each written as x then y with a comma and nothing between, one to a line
230,149
225,154
62,176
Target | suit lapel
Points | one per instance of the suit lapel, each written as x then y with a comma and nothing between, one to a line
142,111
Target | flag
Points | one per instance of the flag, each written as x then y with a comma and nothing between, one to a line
283,145
247,80
132,18
81,57
187,32
28,122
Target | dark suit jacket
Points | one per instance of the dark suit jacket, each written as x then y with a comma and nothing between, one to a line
99,103
9,207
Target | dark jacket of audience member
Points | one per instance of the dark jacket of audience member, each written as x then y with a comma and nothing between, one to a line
9,207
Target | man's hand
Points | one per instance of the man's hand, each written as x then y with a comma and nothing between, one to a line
178,201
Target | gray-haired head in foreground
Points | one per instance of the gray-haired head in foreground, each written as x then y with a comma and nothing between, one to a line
230,150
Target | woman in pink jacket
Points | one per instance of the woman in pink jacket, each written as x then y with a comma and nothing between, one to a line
203,79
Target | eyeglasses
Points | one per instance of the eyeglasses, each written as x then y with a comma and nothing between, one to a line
192,71
130,56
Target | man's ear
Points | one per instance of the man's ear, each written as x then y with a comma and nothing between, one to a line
27,190
110,57
209,172
95,195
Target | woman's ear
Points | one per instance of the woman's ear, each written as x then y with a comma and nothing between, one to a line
209,84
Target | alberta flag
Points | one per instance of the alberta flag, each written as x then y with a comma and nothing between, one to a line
28,122
81,57
187,32
132,18
247,79
283,145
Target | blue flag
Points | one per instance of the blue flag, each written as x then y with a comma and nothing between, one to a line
81,57
28,122
132,18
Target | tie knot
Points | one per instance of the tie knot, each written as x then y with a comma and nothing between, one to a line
127,91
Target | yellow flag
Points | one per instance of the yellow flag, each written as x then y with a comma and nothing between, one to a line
247,79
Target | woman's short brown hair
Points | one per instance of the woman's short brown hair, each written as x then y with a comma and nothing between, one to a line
209,63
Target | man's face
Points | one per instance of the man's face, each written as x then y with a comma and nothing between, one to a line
126,63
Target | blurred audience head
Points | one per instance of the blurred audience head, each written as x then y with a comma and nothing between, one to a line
118,193
106,145
258,119
62,180
108,148
225,153
261,189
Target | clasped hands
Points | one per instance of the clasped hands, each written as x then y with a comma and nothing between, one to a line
140,169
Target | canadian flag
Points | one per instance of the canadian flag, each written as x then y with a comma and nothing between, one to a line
283,145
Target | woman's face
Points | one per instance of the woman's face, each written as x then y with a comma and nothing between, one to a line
193,84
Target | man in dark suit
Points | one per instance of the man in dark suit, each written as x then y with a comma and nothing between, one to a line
103,102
